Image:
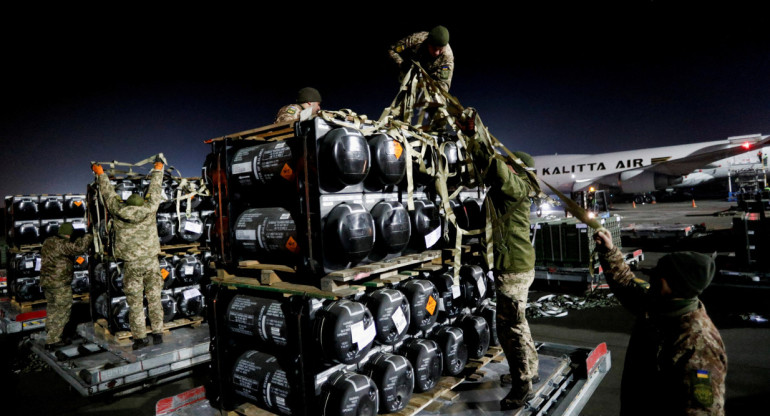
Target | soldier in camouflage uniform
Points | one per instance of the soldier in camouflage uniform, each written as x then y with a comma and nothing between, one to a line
56,272
431,50
307,98
137,244
676,362
514,268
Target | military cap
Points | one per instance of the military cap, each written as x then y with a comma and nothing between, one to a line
687,273
135,200
438,36
308,95
66,229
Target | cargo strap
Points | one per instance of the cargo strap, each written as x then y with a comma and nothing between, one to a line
192,190
130,173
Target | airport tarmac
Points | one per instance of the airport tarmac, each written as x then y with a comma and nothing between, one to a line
37,390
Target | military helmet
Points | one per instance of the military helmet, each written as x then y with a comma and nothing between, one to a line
526,158
135,200
66,229
438,36
308,95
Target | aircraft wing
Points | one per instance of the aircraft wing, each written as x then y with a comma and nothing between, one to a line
702,157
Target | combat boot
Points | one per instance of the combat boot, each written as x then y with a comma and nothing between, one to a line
157,339
507,380
56,345
517,398
140,343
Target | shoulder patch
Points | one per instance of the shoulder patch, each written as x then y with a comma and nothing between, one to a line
399,48
291,110
701,388
445,72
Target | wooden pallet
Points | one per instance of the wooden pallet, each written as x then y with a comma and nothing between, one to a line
27,306
381,273
102,328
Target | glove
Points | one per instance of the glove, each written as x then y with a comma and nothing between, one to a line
158,165
97,168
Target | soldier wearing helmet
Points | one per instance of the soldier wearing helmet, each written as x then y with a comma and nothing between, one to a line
308,102
431,50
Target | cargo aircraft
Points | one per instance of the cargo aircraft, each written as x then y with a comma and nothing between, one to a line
646,170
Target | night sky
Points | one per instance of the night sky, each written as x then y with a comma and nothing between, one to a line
123,85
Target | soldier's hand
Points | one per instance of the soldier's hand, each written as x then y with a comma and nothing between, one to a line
97,168
158,165
603,240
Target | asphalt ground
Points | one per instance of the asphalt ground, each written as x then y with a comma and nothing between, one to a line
27,385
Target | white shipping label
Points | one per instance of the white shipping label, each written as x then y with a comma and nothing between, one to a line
362,336
188,294
189,270
455,291
432,237
125,194
193,227
399,319
37,264
482,287
241,167
245,234
29,264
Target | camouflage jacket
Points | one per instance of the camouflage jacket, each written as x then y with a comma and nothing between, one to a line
508,196
288,112
414,48
56,259
674,363
135,228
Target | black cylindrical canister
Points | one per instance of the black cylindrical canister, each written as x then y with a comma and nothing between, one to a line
189,270
190,227
423,304
489,313
345,331
168,303
27,289
267,231
343,157
394,378
348,233
426,224
427,362
25,207
115,282
80,282
454,351
27,264
349,394
260,378
473,284
49,228
448,292
167,272
26,232
390,309
51,206
476,334
474,207
120,318
166,227
263,164
392,227
257,317
189,302
388,160
102,305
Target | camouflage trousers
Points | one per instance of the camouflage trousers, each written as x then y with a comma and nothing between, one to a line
512,327
142,278
58,308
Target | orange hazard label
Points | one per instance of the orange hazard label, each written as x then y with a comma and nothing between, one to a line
164,273
397,149
79,260
78,203
431,305
291,245
287,172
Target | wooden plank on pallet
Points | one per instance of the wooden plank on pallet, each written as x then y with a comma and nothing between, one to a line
255,265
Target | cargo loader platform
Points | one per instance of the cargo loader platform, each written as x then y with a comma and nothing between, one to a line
94,364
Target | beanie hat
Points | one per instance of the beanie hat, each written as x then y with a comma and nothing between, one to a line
438,36
687,273
135,200
66,229
308,95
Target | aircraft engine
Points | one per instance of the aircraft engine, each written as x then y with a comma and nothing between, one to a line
636,181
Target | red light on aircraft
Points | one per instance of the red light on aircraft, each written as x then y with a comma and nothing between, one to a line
746,145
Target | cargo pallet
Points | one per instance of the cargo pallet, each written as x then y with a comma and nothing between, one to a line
26,316
568,377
